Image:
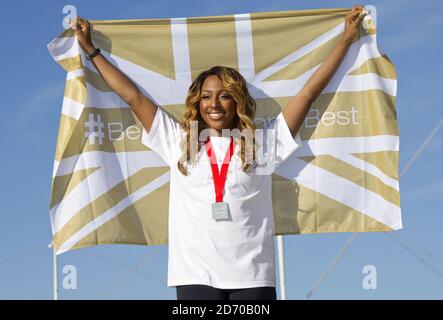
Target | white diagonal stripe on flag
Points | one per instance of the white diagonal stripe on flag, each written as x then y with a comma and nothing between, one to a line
113,212
82,195
343,191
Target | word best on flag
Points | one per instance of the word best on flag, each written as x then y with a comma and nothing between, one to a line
108,187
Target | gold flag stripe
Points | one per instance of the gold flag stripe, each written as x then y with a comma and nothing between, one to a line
66,183
76,89
337,12
351,114
308,61
67,33
145,222
66,129
305,63
379,65
147,43
386,161
341,114
313,212
108,200
71,64
97,81
212,42
355,175
270,47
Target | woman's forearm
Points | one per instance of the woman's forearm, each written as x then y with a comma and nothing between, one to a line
321,77
116,79
299,105
141,105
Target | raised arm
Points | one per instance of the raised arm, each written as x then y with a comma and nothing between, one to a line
142,106
297,108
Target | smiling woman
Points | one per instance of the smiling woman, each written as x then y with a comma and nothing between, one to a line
218,99
221,225
217,108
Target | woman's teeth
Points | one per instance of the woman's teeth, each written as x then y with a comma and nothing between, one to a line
215,115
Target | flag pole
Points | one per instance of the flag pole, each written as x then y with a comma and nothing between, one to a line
281,267
55,270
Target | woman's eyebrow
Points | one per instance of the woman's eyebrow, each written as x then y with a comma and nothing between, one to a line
214,90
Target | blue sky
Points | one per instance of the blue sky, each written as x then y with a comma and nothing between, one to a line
408,267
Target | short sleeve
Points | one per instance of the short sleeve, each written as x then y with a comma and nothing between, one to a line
164,137
278,145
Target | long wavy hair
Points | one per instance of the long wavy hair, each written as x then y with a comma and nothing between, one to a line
235,84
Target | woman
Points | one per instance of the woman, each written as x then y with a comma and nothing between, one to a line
220,222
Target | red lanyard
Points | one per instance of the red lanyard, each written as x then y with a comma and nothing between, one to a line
219,178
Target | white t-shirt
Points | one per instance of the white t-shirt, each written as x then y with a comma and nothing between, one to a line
226,254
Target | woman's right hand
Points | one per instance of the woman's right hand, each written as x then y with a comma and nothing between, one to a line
120,83
83,33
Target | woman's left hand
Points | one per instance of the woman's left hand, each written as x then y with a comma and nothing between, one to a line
352,23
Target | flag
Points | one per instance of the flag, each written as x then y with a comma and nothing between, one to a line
108,187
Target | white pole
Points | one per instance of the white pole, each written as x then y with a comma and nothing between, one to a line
55,270
281,267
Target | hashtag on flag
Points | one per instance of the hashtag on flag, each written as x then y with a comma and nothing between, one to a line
91,125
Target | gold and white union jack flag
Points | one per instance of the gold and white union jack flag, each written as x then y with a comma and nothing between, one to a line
108,187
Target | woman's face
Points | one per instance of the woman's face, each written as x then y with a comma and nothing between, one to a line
217,108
